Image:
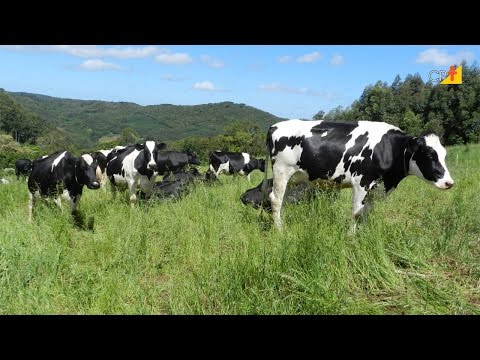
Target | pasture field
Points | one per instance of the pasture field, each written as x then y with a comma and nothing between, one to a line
207,253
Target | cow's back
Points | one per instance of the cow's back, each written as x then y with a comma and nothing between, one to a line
50,172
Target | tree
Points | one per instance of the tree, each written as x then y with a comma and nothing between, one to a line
319,115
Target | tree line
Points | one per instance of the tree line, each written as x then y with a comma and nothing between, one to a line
452,111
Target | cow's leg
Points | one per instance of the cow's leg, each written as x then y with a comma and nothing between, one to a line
57,200
280,180
74,202
360,206
31,202
133,196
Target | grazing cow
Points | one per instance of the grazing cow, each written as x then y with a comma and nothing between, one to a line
23,167
293,195
61,172
175,161
359,154
134,166
234,162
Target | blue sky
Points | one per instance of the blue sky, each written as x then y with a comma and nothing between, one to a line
291,81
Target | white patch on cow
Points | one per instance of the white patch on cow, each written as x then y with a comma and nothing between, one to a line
225,167
57,160
293,128
433,141
88,159
324,134
44,156
376,130
246,158
105,152
150,145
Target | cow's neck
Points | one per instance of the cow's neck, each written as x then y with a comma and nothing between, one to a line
400,167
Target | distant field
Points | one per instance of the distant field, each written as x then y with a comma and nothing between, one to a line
209,254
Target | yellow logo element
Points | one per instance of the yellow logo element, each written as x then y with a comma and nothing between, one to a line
454,76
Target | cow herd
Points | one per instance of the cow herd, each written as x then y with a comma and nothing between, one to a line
369,157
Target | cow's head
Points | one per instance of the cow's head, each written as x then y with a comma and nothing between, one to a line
150,150
428,160
193,158
85,171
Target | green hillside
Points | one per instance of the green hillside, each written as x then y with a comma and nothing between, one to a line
88,121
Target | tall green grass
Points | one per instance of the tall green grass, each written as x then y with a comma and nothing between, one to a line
209,254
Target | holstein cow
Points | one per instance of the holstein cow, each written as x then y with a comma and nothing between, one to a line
23,167
174,161
134,166
61,172
101,171
359,154
234,163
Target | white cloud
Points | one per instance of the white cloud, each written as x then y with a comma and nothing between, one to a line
97,64
309,58
174,58
277,87
91,51
336,59
440,57
284,59
204,85
214,63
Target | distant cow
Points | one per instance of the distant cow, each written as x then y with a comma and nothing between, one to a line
293,195
61,172
359,154
175,161
134,166
23,167
234,163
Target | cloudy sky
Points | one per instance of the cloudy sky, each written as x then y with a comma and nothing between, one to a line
291,81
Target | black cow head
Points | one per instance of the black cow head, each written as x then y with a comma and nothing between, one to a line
193,158
85,173
428,160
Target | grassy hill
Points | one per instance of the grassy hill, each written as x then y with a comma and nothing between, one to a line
89,120
209,254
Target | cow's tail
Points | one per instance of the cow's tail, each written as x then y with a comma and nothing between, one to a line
268,149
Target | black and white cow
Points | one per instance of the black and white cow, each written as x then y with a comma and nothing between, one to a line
175,161
134,166
23,167
234,163
101,171
61,173
359,154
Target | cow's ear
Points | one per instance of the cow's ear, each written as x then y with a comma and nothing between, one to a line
413,144
139,147
161,146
